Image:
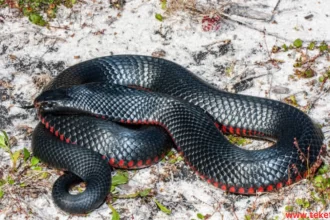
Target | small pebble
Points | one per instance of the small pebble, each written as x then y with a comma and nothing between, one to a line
309,17
280,90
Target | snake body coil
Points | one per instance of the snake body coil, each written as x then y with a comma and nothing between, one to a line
192,112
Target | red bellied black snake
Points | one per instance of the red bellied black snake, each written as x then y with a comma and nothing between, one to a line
194,115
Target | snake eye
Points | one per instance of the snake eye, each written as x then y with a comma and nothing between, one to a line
47,106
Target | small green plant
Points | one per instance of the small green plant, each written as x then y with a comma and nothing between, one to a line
2,182
325,76
5,145
323,47
285,48
321,185
200,216
319,193
291,100
162,207
121,178
173,158
39,12
115,214
298,43
240,141
311,45
159,17
4,141
20,176
304,66
289,208
304,203
248,217
163,4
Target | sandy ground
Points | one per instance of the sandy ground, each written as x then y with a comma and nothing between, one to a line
234,55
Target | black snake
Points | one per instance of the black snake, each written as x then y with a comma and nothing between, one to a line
141,90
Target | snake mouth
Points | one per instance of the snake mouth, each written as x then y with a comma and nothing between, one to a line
61,107
52,100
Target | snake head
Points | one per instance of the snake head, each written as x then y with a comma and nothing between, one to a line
53,100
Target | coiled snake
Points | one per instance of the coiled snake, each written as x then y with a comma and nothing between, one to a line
141,90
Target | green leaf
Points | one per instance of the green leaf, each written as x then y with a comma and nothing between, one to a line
26,154
115,215
112,189
303,203
43,175
15,157
285,48
318,181
179,159
2,182
311,45
34,161
170,153
306,204
162,208
4,141
10,180
6,136
309,73
289,208
163,3
200,216
120,178
321,79
176,160
145,192
324,169
298,43
172,161
240,141
1,193
159,17
247,217
323,47
293,99
36,168
37,19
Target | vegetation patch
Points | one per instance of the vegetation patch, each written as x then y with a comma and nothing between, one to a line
39,12
25,178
